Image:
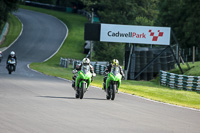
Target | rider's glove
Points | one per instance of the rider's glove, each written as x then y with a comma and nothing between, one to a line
74,71
94,74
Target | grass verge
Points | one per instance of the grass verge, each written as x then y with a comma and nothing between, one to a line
72,48
15,28
193,71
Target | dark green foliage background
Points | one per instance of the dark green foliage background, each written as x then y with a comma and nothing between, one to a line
181,15
6,6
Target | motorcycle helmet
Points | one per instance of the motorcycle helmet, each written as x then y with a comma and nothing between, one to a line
12,53
86,61
115,62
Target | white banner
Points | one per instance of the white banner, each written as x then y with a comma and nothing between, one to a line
135,34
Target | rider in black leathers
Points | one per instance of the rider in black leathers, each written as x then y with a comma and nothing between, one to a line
12,55
108,70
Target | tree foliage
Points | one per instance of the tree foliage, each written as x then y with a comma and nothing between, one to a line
6,6
53,2
64,3
132,12
108,51
183,17
127,12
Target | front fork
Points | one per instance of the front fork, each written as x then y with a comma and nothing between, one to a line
111,84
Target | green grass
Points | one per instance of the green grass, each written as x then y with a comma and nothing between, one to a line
194,71
15,28
154,91
1,27
72,48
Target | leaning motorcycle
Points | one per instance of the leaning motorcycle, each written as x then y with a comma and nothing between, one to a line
113,83
11,65
83,80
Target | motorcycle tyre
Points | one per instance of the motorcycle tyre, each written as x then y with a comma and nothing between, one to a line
107,94
113,91
10,68
81,92
77,93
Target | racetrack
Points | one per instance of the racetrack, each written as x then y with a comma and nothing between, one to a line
31,102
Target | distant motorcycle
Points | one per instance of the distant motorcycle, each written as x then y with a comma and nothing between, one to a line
11,65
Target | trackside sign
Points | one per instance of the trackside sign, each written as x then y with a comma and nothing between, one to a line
135,34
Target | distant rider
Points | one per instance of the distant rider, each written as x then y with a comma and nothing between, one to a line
114,63
85,62
12,55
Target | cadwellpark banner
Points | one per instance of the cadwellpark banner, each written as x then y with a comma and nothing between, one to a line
135,34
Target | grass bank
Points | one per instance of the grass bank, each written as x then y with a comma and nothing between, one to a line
15,28
73,48
193,71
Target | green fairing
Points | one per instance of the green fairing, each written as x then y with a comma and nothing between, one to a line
112,77
81,76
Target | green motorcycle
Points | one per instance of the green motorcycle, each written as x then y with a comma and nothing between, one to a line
83,80
113,83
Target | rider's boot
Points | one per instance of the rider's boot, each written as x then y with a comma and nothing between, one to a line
73,83
104,87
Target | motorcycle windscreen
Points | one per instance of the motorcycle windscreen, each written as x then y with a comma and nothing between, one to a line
115,70
85,69
11,61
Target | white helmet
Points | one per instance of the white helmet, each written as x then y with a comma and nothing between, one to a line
86,61
12,53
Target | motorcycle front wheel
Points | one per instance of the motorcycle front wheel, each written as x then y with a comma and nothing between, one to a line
81,92
108,93
113,91
10,69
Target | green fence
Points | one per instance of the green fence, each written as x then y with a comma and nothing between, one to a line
179,81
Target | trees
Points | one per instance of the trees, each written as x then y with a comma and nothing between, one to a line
183,17
137,12
127,12
6,6
108,51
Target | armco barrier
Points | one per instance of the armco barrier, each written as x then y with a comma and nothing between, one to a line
99,67
179,81
3,33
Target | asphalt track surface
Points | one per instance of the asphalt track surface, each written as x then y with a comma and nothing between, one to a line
31,102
